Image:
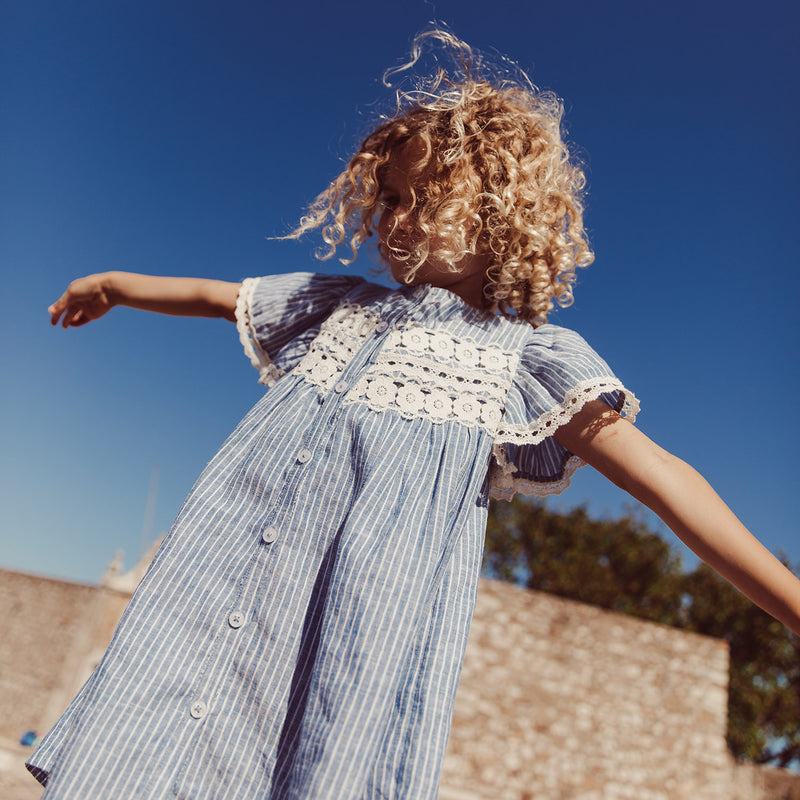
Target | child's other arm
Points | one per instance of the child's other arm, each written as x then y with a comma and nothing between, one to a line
88,298
686,502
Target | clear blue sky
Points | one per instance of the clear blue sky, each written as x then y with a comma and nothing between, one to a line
174,137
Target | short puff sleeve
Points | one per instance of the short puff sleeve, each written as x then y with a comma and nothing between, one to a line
558,374
277,316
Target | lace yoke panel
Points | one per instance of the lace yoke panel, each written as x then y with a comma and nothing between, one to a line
341,336
419,372
428,373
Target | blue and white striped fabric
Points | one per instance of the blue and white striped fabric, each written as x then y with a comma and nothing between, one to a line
300,632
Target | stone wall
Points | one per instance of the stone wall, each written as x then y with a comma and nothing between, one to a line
564,700
751,781
52,634
557,701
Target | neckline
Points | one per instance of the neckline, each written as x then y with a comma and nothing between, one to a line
444,298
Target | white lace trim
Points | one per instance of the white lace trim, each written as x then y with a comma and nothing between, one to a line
438,345
267,371
427,373
340,337
504,484
575,399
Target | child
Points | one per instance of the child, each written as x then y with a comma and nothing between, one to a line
300,632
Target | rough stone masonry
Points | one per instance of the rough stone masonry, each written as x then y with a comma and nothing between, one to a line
558,700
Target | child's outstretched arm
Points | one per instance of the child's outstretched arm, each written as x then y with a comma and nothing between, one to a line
687,503
88,298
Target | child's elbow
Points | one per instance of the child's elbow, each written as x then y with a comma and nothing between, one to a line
661,480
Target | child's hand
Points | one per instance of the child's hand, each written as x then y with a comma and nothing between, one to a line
86,299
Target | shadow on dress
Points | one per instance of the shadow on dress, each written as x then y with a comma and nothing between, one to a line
304,670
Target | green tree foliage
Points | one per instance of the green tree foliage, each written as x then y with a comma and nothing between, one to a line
624,566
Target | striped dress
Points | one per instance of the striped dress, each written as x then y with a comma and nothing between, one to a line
301,630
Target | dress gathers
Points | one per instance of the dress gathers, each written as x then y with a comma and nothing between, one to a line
301,630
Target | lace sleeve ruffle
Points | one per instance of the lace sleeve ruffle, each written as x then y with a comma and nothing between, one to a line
558,374
268,373
276,316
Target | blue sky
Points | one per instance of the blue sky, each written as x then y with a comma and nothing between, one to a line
175,137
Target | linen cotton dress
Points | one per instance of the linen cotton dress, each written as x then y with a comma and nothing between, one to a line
301,630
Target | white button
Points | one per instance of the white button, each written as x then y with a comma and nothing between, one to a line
381,326
269,535
340,387
236,619
198,709
303,456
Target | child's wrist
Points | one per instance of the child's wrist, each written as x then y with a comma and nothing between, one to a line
111,283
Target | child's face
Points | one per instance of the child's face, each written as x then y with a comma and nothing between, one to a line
397,224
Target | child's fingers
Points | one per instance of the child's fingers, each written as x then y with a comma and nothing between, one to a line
71,314
56,310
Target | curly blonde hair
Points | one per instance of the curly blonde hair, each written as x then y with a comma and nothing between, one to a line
491,176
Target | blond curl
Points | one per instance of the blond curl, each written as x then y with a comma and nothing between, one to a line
489,175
